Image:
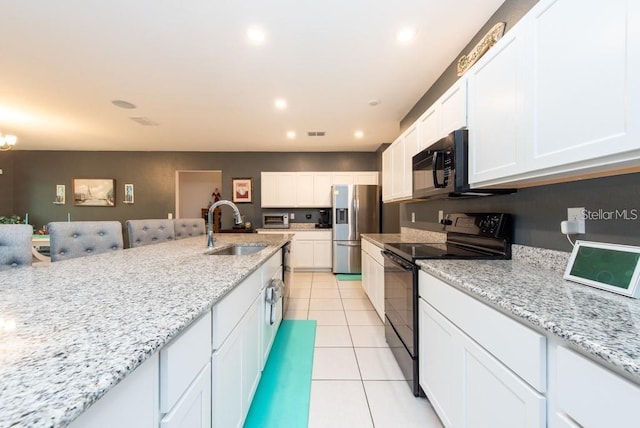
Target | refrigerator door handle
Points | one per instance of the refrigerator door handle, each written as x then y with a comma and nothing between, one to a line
348,243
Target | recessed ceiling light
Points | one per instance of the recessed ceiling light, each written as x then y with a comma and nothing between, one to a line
405,35
291,135
256,35
280,103
358,134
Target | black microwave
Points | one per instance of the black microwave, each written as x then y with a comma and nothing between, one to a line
441,170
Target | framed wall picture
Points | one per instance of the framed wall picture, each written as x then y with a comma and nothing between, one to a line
94,192
128,193
60,194
242,190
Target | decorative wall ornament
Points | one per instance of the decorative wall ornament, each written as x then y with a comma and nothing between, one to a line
466,61
128,194
242,190
60,194
94,192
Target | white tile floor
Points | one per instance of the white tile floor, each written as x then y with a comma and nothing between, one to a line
356,381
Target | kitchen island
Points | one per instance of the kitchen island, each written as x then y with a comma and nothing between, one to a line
70,331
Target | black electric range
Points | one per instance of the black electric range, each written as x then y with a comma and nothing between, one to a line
478,236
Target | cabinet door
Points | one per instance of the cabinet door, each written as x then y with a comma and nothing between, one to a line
322,182
387,175
322,257
251,352
439,365
343,178
453,108
498,126
410,149
377,286
193,410
303,254
366,275
269,189
592,395
226,364
429,131
586,103
304,184
397,168
366,177
287,189
496,397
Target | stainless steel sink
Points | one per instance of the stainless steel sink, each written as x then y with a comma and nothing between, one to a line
237,250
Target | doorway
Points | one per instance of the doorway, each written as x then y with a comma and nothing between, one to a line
194,191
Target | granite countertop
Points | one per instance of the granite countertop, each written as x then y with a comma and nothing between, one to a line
71,330
530,288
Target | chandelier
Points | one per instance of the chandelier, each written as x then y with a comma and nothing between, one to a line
7,142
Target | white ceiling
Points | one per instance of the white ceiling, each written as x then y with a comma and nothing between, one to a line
188,66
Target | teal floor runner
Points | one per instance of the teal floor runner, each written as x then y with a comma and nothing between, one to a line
349,277
284,391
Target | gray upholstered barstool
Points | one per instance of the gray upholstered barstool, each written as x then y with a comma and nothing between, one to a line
15,245
150,231
83,238
188,227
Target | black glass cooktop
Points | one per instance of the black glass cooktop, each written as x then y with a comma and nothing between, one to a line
415,251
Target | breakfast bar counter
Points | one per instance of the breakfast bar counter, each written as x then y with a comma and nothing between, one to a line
71,330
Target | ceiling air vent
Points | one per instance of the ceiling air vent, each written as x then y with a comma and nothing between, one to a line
315,133
144,121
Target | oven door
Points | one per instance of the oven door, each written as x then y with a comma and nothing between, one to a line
400,303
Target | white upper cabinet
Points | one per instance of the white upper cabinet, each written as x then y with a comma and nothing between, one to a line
586,84
387,179
497,126
447,114
558,95
307,189
453,108
399,175
429,127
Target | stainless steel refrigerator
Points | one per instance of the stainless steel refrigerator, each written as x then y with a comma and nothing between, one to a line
356,210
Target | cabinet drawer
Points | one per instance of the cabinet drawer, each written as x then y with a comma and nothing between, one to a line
228,312
271,266
373,250
518,347
592,395
312,235
182,359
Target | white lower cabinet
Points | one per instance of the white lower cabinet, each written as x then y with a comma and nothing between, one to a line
252,352
373,276
236,370
226,372
468,385
441,356
185,384
590,395
496,397
239,356
312,250
193,410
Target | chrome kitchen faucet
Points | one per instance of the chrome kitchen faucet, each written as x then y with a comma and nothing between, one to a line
236,215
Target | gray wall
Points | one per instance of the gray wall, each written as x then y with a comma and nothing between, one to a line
35,174
538,211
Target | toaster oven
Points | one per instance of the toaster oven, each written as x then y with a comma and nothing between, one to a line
275,220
